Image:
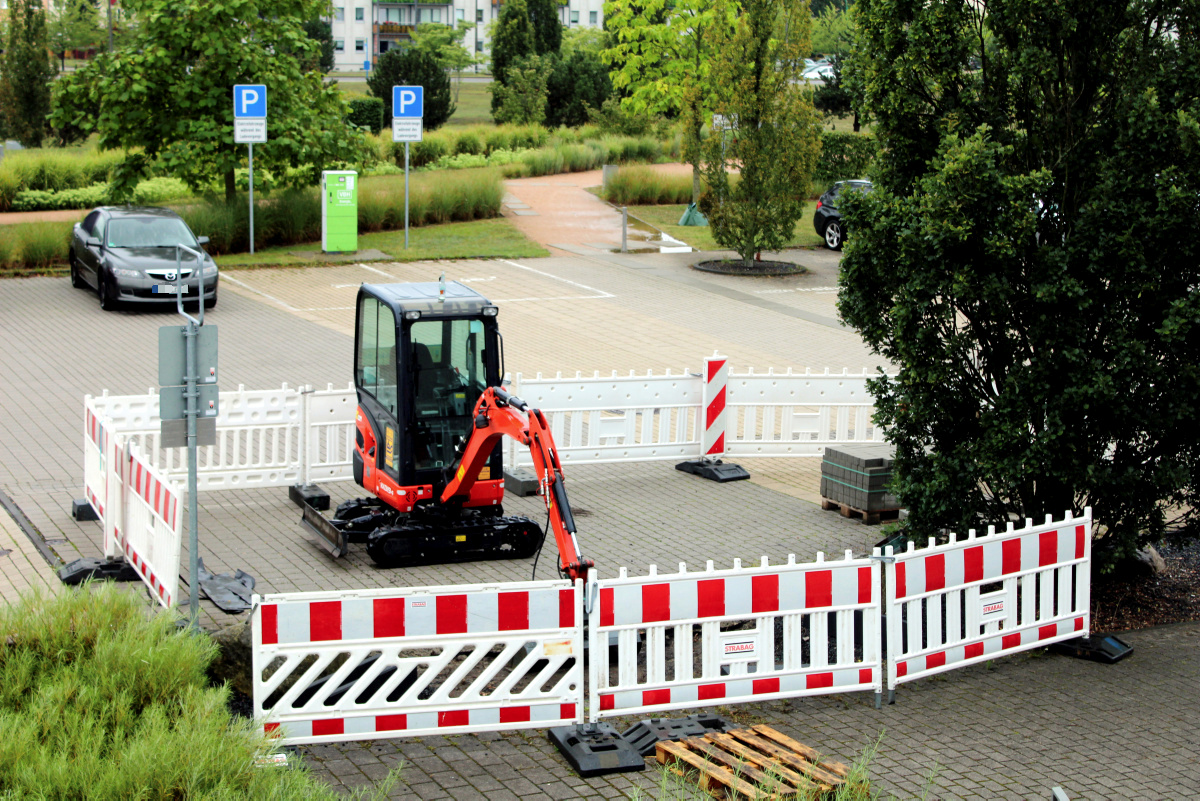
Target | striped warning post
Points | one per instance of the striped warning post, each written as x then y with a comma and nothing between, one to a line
766,632
407,662
716,388
976,598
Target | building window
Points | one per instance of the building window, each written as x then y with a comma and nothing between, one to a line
429,15
339,45
383,45
460,13
358,15
479,15
478,46
339,14
574,17
360,45
391,15
591,17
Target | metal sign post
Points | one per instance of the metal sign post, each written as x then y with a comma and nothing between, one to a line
408,109
249,127
192,407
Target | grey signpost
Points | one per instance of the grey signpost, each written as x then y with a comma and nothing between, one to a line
189,394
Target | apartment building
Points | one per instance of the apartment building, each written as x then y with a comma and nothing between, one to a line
363,29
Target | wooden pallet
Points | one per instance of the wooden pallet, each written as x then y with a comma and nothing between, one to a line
869,518
758,762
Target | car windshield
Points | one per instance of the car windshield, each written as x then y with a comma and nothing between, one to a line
149,232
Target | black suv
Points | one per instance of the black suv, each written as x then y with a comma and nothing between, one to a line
828,220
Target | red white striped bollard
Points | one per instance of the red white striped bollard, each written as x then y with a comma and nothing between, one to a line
712,441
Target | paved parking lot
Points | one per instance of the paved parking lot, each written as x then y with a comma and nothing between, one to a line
1012,729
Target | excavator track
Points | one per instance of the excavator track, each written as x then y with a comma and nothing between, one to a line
467,540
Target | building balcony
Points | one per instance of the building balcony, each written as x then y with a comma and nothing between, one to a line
394,28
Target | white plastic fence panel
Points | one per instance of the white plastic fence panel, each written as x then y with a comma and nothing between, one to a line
360,665
329,424
616,418
977,598
798,414
150,531
719,637
97,467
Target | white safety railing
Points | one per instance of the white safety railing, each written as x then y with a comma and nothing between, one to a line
977,598
95,458
328,433
336,666
147,522
689,640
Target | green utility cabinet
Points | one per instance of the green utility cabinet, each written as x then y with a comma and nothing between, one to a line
339,211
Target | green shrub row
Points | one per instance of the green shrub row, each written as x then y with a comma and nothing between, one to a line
150,192
645,186
32,247
366,112
53,170
473,141
844,156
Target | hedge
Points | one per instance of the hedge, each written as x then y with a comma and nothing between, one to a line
367,112
844,156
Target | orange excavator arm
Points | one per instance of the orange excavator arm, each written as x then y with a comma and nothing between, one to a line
499,414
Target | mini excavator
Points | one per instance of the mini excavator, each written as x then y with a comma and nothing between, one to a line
428,361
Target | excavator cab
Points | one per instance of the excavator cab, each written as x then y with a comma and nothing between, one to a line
424,353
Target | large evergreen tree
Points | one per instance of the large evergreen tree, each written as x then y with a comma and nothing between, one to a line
26,70
413,68
512,41
547,26
1030,259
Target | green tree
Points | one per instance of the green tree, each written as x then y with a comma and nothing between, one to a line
660,57
321,32
446,45
833,98
775,143
577,82
26,71
522,100
547,25
512,40
1030,257
72,25
583,38
832,31
413,68
167,98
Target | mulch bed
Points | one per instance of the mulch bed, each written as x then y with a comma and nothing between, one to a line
738,267
1120,604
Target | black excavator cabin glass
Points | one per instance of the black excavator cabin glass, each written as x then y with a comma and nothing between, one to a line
448,376
376,357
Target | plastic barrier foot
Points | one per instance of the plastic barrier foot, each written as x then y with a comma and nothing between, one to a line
82,510
1101,648
596,750
81,570
646,734
520,481
714,470
310,494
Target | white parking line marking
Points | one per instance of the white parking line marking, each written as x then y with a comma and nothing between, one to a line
476,280
600,292
804,289
288,306
379,272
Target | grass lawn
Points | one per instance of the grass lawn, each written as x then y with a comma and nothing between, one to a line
667,217
474,105
495,238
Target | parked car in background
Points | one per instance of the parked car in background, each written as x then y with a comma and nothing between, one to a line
828,220
127,254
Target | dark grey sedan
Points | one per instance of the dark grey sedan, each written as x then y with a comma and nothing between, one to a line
127,254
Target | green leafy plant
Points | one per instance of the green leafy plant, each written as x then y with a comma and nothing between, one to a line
367,112
521,99
413,68
25,71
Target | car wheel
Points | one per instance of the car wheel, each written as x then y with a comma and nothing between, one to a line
833,235
76,279
211,303
108,299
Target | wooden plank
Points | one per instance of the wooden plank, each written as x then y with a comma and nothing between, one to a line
749,737
760,760
669,753
765,782
809,753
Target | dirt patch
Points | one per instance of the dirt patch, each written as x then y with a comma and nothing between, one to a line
739,267
1173,596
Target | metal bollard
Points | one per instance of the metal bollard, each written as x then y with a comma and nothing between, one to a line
624,229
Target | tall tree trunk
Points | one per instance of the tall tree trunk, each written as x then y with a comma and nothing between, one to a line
230,186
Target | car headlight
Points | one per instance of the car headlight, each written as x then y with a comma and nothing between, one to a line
121,272
209,270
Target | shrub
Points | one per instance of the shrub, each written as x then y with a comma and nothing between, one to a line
469,143
844,155
413,67
499,138
635,186
427,151
53,170
366,112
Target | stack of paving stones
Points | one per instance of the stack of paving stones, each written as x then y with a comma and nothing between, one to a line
857,477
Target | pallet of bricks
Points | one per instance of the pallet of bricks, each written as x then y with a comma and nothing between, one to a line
755,762
855,479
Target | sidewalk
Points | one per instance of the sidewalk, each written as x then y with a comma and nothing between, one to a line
22,568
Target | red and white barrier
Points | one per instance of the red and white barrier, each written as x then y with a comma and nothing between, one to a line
977,598
419,661
729,636
147,528
95,460
716,386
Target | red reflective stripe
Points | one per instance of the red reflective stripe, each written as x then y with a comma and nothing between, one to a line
815,681
655,697
714,367
706,692
973,564
818,588
512,610
325,620
1079,624
719,445
866,675
608,702
935,660
710,598
901,590
715,407
901,669
973,650
388,617
459,717
1047,548
656,602
1010,640
864,585
270,727
1080,538
325,727
1046,632
1011,549
391,722
764,593
514,714
764,686
566,608
606,606
566,711
935,572
451,614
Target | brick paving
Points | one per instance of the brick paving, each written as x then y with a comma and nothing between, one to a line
1011,730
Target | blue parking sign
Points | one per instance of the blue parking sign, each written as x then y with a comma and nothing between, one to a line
250,100
408,101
